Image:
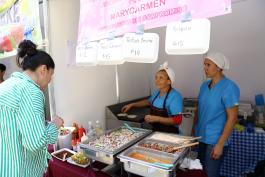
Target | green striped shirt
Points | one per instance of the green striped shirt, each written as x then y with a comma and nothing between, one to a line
23,134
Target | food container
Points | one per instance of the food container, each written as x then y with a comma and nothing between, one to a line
172,138
60,153
149,162
157,155
65,140
115,141
69,160
79,159
160,146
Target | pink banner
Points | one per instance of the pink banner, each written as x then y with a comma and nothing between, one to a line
101,18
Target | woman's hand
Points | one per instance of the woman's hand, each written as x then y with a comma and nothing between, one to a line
217,151
151,119
58,121
127,107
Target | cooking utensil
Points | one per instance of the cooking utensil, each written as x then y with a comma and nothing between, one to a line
185,145
64,156
164,165
191,139
129,127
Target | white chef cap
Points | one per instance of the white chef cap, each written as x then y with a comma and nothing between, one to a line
168,70
219,59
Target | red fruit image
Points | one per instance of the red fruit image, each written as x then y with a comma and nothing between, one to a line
17,33
1,49
6,44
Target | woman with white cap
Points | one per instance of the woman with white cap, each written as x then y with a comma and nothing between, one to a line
217,113
165,102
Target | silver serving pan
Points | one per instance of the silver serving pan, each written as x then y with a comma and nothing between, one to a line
147,169
167,141
161,144
171,135
107,156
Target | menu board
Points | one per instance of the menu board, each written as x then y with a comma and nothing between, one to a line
186,38
86,54
140,48
110,52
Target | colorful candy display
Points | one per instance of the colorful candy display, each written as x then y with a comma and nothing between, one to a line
115,139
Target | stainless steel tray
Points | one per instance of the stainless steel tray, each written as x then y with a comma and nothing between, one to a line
148,169
162,146
107,156
170,137
166,141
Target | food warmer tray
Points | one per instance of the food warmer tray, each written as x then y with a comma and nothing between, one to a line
149,169
108,156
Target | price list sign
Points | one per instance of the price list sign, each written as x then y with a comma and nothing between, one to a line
110,52
86,54
140,48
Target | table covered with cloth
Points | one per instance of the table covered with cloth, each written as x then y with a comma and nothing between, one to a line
58,168
244,152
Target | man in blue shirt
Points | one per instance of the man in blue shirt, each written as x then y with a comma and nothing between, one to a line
217,113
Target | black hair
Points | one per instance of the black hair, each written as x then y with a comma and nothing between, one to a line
29,57
2,67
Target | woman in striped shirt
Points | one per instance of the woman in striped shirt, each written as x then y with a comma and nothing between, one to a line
23,134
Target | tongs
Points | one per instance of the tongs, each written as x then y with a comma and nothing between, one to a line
192,139
129,127
185,145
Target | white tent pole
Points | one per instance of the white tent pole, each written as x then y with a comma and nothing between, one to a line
48,50
117,83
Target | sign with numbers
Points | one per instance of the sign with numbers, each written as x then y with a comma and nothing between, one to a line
185,38
86,54
110,52
140,48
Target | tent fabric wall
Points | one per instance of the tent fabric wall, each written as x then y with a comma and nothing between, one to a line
81,93
240,36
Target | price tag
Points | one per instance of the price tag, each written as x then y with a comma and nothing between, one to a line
110,52
185,38
86,53
141,48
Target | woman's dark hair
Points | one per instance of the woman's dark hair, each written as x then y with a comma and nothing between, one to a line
2,67
29,57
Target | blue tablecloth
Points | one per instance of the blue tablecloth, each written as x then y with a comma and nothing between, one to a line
245,151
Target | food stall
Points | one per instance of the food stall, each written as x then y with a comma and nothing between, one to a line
133,83
130,150
80,93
